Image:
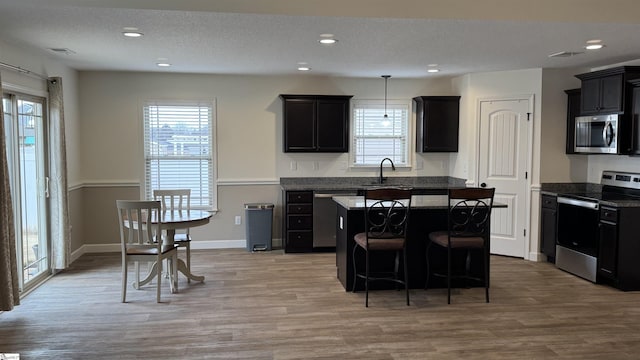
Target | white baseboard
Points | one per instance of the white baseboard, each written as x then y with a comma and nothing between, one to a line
537,257
195,245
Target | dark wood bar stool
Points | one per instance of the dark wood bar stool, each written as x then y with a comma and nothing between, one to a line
386,223
468,228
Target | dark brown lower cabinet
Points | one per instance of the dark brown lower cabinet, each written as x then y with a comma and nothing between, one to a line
608,247
548,226
619,248
298,221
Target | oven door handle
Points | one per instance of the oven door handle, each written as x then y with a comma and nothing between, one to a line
580,203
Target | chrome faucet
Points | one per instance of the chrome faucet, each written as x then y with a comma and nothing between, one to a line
393,167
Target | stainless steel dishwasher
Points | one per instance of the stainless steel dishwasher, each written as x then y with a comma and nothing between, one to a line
325,217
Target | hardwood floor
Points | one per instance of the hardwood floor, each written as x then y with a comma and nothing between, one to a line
291,306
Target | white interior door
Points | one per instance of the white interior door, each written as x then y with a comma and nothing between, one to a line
502,163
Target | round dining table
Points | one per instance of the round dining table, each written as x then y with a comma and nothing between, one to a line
171,221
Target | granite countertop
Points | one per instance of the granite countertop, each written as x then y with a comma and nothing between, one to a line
417,202
555,189
569,188
359,183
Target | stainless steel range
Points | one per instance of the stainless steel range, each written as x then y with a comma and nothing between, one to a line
580,223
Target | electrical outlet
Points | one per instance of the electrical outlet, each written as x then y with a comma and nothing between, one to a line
238,220
316,165
293,166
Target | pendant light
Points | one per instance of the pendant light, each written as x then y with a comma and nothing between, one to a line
386,79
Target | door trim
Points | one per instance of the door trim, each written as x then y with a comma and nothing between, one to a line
527,253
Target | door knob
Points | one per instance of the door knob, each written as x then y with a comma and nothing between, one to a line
483,185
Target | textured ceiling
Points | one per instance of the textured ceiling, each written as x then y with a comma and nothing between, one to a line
375,37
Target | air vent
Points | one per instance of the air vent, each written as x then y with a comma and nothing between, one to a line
564,54
64,51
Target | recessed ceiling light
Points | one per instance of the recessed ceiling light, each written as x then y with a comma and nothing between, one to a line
163,64
328,41
303,68
594,46
432,65
131,32
433,70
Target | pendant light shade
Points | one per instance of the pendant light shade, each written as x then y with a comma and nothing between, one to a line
386,79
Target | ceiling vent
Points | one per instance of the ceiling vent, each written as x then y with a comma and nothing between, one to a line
63,51
564,54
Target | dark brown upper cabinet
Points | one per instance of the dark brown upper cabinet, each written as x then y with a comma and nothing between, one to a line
606,91
573,110
437,123
634,131
316,123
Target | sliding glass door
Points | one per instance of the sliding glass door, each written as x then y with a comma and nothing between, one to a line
26,140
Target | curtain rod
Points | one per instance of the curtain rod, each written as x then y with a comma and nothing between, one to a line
22,70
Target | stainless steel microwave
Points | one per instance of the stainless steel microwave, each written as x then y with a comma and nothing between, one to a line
597,134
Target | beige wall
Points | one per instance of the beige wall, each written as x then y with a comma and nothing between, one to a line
249,139
555,164
249,121
32,85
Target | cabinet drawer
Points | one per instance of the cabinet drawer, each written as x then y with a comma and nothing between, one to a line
299,222
609,214
299,241
299,197
549,202
299,209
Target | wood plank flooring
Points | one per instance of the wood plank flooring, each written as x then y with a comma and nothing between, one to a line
272,305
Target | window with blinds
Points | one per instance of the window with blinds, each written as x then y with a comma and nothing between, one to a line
376,137
178,149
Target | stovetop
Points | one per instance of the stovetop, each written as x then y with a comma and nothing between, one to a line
601,196
617,188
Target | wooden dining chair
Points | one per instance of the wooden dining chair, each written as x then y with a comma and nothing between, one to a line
180,200
468,229
139,221
386,223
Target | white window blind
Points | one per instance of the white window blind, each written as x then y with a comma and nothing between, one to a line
376,137
178,149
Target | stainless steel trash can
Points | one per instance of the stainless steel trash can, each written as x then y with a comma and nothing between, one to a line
259,218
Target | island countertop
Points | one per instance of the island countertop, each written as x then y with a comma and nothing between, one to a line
417,202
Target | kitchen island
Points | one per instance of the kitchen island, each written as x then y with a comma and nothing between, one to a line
428,213
308,212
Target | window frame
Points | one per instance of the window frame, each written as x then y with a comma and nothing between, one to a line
146,192
409,132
